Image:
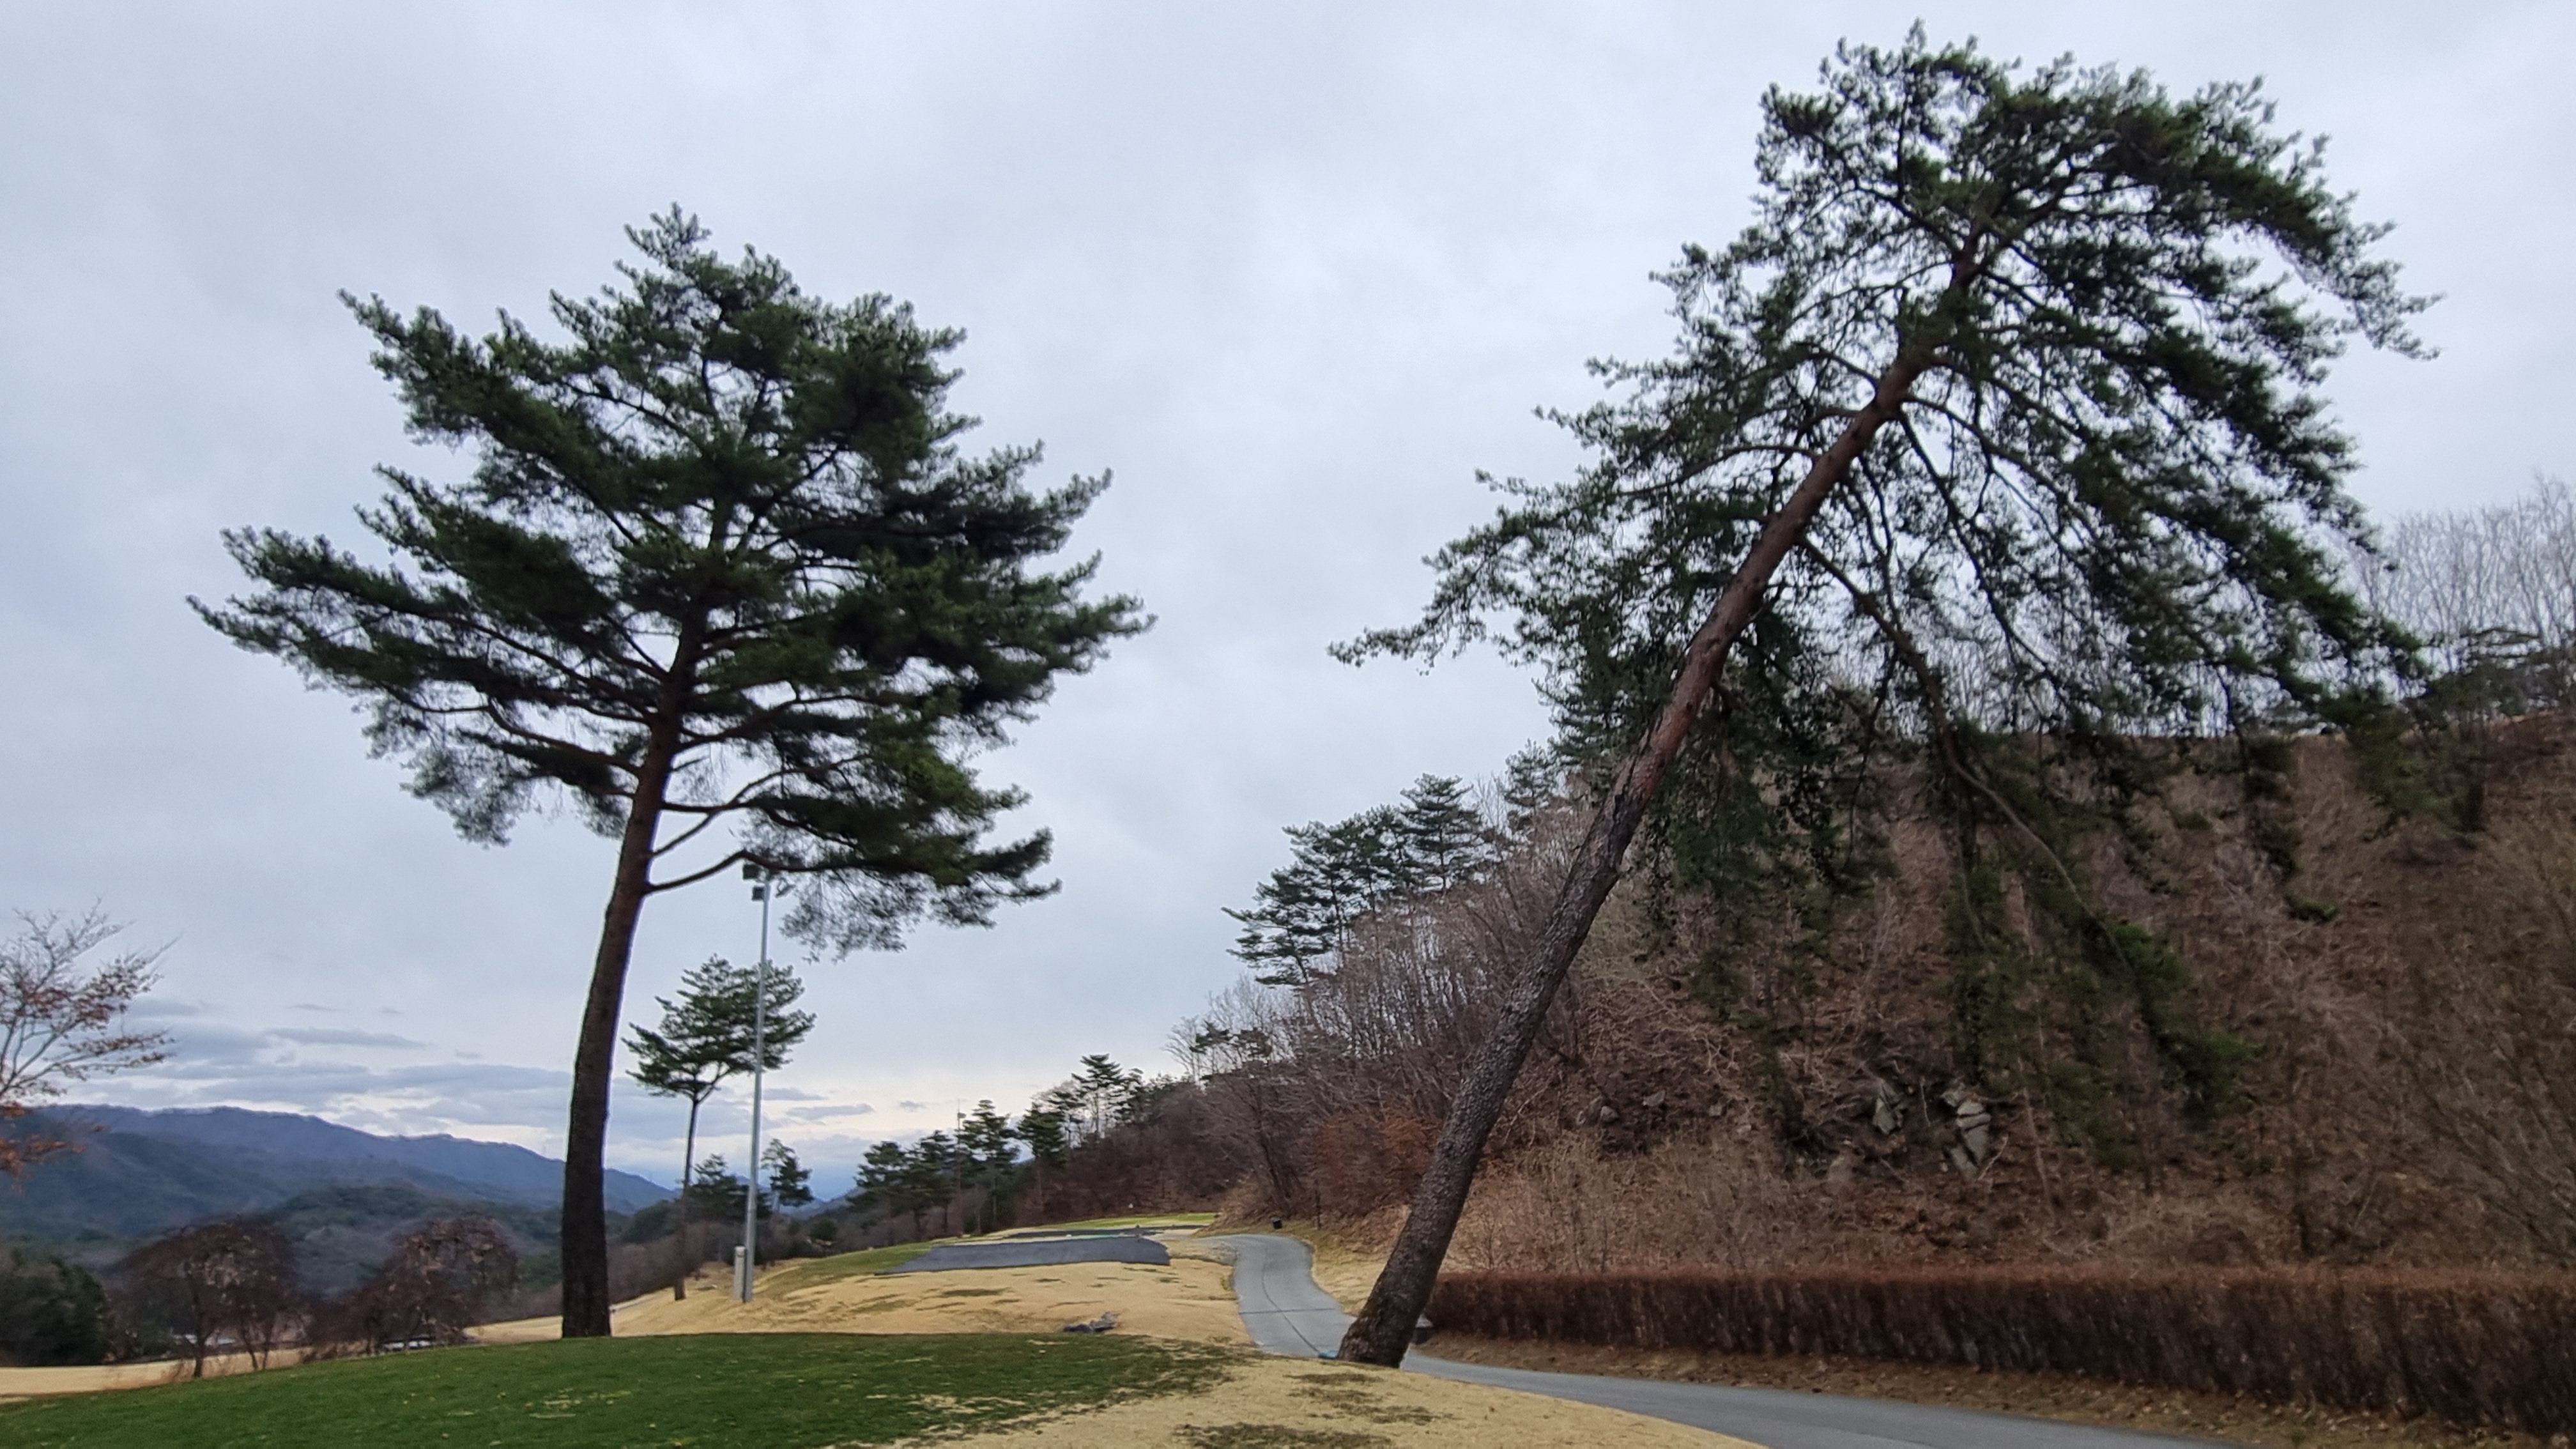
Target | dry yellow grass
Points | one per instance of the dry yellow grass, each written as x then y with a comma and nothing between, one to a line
27,1383
1190,1299
1281,1403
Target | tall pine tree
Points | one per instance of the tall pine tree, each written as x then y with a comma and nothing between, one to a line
2006,400
704,1039
723,576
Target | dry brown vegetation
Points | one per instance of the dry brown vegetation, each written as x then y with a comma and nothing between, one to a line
1752,1091
2472,1348
2229,1418
2409,1098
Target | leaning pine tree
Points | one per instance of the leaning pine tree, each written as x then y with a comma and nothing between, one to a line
2002,419
723,577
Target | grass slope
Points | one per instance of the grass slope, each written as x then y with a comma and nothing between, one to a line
741,1391
1196,1220
864,1261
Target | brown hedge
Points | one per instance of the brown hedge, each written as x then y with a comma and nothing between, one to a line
2474,1348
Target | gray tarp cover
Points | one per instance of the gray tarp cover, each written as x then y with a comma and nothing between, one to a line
1039,1254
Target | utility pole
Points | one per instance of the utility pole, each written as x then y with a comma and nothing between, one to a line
763,886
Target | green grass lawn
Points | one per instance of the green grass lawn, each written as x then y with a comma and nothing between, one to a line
739,1391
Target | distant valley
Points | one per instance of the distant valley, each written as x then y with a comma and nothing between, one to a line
343,1191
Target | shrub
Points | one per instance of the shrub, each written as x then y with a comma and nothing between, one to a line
222,1282
430,1291
51,1312
2475,1348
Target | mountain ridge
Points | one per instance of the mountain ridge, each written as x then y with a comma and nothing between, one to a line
141,1172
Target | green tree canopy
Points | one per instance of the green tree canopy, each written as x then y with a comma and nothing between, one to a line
1043,1128
705,1038
1999,423
788,1178
716,1189
908,1181
724,577
1301,916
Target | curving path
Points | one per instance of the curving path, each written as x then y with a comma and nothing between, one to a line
1274,1284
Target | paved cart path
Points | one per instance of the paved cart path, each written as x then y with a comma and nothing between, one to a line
1041,1253
1286,1313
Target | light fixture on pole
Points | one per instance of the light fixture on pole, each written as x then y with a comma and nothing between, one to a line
764,885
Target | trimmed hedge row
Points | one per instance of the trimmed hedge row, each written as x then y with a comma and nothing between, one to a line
2474,1348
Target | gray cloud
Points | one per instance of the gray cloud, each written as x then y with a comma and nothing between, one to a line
333,1036
1294,273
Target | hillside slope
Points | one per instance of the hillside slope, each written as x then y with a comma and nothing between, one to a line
2330,1033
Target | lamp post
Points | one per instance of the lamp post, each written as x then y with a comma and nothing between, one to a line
764,885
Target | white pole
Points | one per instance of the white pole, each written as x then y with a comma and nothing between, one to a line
759,1045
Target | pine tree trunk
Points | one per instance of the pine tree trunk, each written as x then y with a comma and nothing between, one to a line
1384,1328
688,1160
585,1213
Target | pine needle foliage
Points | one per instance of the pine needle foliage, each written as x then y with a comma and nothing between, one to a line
724,532
1996,437
2109,514
722,577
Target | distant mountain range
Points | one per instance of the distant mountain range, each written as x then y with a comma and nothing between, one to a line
141,1173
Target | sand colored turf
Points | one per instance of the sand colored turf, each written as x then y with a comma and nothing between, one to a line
22,1383
1283,1403
1189,1299
1181,1220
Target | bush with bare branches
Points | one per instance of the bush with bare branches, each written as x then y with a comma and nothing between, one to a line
2474,1348
433,1288
62,1020
229,1283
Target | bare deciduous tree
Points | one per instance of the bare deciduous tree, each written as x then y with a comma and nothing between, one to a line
2491,591
62,1020
430,1291
224,1281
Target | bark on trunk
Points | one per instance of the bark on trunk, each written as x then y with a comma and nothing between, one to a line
688,1162
585,1213
1384,1328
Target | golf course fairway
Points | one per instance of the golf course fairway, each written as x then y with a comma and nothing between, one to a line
741,1391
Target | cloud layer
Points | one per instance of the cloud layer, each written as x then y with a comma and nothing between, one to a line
1294,275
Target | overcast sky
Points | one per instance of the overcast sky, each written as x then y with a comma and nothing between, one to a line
1294,273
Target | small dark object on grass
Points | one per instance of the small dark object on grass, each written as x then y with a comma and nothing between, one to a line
1102,1324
